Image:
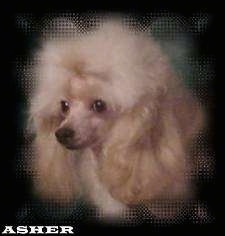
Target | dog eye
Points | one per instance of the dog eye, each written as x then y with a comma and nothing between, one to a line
65,106
98,106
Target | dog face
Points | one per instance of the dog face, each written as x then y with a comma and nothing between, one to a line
86,114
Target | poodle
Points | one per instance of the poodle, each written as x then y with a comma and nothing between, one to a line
113,122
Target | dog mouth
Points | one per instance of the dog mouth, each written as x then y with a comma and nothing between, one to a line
76,144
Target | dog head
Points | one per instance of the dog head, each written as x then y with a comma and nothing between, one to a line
88,85
115,92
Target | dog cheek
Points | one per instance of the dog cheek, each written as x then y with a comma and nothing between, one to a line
100,127
50,123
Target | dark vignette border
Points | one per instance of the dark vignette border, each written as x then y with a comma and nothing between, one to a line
14,43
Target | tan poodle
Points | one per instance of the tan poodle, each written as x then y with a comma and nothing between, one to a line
113,122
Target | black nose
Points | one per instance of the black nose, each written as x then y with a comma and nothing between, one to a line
64,135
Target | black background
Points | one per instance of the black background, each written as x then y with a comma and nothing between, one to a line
14,192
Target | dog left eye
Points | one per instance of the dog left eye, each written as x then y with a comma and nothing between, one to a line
98,106
65,106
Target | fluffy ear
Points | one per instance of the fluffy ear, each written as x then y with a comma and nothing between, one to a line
145,157
54,166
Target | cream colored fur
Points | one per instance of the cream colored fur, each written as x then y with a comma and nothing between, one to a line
142,151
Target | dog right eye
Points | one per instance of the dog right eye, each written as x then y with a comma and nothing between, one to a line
65,106
98,106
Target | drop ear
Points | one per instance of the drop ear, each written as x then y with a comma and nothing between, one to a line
187,112
129,167
145,157
53,166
